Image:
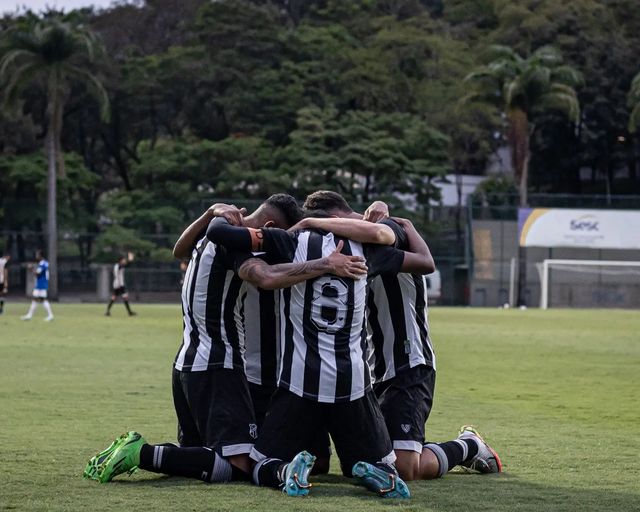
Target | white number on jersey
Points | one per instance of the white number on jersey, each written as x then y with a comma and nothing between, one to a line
329,304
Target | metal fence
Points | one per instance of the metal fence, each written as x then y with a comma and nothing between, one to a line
493,247
474,247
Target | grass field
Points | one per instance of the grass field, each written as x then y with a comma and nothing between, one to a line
555,392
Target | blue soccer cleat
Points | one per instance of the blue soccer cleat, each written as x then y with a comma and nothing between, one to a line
297,473
387,484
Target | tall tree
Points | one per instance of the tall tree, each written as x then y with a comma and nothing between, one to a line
523,88
634,104
53,53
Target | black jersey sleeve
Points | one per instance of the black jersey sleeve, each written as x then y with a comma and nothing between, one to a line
402,242
383,259
235,238
279,245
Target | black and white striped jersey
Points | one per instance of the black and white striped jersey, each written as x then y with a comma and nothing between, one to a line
323,336
210,311
260,330
397,323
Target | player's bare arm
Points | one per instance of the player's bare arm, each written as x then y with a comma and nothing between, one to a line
190,236
352,229
284,275
418,258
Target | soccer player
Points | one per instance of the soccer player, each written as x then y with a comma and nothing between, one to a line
41,270
216,427
403,361
4,279
324,378
119,288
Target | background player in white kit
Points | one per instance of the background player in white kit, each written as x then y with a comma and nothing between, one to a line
119,287
4,279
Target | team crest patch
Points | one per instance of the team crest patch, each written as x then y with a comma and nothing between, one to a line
405,428
253,430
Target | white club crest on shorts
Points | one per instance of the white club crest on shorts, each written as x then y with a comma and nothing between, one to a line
405,428
253,430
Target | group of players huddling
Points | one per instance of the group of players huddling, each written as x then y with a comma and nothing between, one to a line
300,324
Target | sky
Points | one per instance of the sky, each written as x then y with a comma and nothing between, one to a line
37,5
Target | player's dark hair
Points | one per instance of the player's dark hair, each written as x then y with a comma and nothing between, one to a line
39,253
326,200
315,214
287,206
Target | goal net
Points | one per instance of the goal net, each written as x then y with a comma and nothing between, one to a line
589,284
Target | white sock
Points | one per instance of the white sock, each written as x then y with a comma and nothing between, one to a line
32,308
47,307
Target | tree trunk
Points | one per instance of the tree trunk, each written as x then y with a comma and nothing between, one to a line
52,221
54,111
524,180
518,136
519,131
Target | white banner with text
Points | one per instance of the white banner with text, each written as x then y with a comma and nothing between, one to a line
563,227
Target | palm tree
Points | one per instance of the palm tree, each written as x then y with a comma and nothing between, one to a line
52,53
634,104
524,88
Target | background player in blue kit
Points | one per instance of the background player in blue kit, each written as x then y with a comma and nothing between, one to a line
41,270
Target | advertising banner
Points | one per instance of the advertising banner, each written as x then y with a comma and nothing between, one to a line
593,229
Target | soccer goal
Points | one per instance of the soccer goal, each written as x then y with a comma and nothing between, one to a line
589,283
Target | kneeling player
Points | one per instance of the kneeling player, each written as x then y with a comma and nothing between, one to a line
403,361
324,380
216,426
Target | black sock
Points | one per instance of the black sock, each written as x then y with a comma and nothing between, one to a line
453,453
268,473
109,306
126,305
1,305
201,463
472,449
237,475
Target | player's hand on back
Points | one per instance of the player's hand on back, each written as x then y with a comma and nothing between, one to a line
231,212
376,212
344,265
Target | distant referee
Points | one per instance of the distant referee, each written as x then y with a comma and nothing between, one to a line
119,288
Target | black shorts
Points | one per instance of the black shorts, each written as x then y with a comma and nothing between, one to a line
261,396
121,290
214,409
406,401
294,424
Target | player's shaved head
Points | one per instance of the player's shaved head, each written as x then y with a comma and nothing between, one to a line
280,209
327,201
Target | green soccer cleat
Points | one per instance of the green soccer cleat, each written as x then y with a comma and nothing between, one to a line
123,456
297,473
91,468
386,484
486,460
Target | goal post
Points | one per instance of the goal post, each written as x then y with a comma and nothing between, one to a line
606,267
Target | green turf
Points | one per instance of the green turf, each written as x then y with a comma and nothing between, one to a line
555,392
